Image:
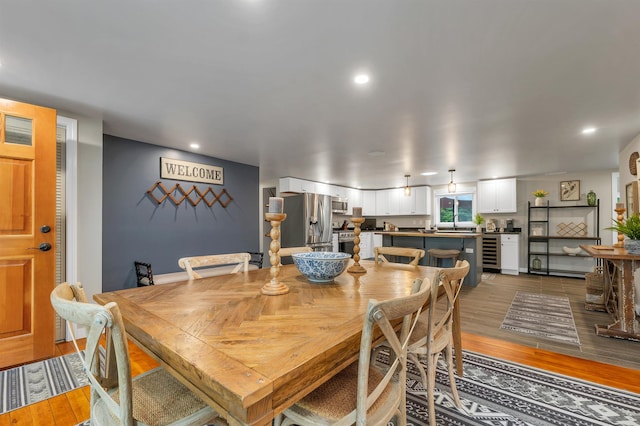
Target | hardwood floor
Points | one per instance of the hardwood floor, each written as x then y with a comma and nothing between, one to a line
610,362
484,307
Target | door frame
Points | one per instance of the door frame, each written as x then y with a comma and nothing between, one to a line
71,206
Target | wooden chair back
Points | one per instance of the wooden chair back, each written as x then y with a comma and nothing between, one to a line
381,315
144,275
434,332
450,282
380,393
70,302
288,251
190,263
415,254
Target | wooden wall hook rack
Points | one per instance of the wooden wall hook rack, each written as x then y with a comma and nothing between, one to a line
185,194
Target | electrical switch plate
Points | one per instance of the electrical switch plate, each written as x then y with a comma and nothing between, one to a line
468,250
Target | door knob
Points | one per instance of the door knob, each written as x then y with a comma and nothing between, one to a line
42,247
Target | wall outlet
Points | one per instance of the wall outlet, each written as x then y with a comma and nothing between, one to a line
468,250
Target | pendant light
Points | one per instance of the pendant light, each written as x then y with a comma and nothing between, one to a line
407,188
452,184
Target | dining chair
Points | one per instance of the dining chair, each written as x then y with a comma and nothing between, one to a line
241,260
366,393
144,275
256,258
434,332
414,253
153,398
288,251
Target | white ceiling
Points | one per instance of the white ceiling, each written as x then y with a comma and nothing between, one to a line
488,87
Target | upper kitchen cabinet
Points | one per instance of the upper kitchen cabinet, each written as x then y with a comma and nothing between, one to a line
388,202
421,196
354,199
393,202
368,203
497,196
289,184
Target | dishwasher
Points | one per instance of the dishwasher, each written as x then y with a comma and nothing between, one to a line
491,252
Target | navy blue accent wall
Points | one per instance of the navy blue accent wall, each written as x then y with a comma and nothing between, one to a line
135,227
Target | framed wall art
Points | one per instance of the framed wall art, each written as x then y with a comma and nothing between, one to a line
570,190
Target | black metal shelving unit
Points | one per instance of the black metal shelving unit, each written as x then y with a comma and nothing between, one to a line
540,246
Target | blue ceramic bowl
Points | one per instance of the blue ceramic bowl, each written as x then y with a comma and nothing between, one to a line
321,266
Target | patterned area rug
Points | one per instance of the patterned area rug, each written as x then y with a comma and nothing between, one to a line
35,382
488,277
496,392
541,315
493,392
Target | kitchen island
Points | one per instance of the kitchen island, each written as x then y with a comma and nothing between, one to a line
469,244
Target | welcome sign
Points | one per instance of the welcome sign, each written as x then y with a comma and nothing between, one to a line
192,172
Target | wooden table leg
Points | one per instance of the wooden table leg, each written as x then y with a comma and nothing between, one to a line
457,337
626,325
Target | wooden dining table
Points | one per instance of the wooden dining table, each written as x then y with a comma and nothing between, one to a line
249,355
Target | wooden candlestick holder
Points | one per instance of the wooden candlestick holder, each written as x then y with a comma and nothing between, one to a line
274,287
356,268
620,212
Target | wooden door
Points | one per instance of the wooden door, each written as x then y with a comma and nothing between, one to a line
27,231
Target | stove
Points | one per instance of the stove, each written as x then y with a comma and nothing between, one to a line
346,236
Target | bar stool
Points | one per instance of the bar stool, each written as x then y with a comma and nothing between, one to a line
435,256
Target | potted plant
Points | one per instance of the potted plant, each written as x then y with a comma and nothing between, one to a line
540,194
478,220
630,228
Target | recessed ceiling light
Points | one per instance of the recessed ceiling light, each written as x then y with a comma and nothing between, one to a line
589,130
361,79
429,173
194,145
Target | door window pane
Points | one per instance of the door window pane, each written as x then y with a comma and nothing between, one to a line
18,130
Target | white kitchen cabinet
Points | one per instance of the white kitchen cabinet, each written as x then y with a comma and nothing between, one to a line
338,191
366,245
509,254
289,184
323,188
393,202
497,196
388,201
369,203
354,199
421,203
377,241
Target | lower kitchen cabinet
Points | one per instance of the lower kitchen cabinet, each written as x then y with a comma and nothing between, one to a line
509,254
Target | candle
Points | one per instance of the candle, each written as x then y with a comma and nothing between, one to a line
276,205
357,212
619,206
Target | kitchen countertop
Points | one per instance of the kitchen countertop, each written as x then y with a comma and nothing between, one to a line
469,234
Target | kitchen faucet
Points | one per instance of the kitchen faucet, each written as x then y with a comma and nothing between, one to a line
454,221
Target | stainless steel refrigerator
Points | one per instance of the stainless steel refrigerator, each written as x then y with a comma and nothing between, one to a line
308,222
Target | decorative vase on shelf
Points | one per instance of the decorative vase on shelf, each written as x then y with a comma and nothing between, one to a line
536,264
591,198
539,202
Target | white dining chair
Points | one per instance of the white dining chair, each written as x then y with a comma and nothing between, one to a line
151,398
240,261
415,254
434,332
367,393
288,251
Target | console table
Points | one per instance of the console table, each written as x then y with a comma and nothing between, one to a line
619,267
